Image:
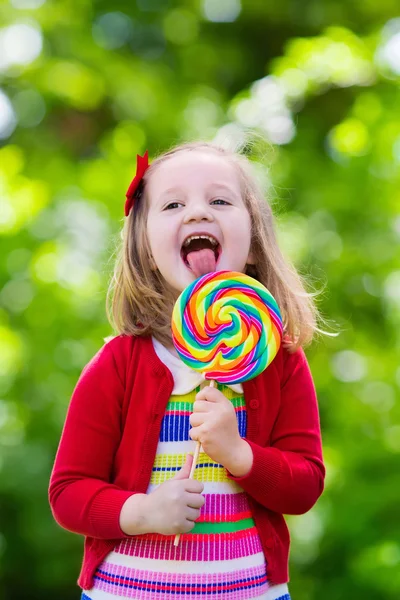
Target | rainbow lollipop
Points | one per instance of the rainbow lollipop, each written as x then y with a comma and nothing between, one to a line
228,326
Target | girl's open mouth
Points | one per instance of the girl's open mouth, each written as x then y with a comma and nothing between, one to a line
200,253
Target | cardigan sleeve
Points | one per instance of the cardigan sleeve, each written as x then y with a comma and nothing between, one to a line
81,496
288,476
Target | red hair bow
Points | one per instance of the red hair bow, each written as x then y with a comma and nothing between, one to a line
142,164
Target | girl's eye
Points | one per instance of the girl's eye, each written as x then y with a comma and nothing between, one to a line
219,201
172,205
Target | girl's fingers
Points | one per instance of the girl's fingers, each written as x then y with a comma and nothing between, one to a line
192,486
202,406
194,434
188,526
196,419
194,500
192,514
211,395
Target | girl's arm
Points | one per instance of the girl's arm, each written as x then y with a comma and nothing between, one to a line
81,498
288,476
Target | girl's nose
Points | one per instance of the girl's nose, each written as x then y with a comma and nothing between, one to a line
197,212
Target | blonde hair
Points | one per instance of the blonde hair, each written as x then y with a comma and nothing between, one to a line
139,300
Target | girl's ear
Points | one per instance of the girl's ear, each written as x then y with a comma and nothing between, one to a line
251,268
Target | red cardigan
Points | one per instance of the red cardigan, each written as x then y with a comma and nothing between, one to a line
111,432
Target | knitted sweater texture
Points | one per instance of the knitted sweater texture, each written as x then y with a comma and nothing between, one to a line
109,444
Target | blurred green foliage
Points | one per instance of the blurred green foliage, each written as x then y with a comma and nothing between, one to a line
87,85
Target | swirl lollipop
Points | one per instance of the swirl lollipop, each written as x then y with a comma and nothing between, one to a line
228,326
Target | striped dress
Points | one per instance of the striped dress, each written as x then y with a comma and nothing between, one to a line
222,554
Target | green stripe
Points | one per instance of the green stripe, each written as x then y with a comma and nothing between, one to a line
188,406
223,527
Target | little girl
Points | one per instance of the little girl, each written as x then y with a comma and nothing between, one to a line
121,474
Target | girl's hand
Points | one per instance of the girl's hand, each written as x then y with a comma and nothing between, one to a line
214,424
172,508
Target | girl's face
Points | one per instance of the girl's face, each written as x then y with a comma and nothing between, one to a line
196,194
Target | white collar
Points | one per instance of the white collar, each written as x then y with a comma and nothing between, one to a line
185,378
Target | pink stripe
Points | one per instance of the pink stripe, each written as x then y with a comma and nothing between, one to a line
224,504
196,547
153,585
208,518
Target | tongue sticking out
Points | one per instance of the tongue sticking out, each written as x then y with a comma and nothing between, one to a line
202,261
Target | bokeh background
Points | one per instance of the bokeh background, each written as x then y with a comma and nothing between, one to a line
84,86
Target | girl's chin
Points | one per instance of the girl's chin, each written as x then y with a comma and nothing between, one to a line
184,278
